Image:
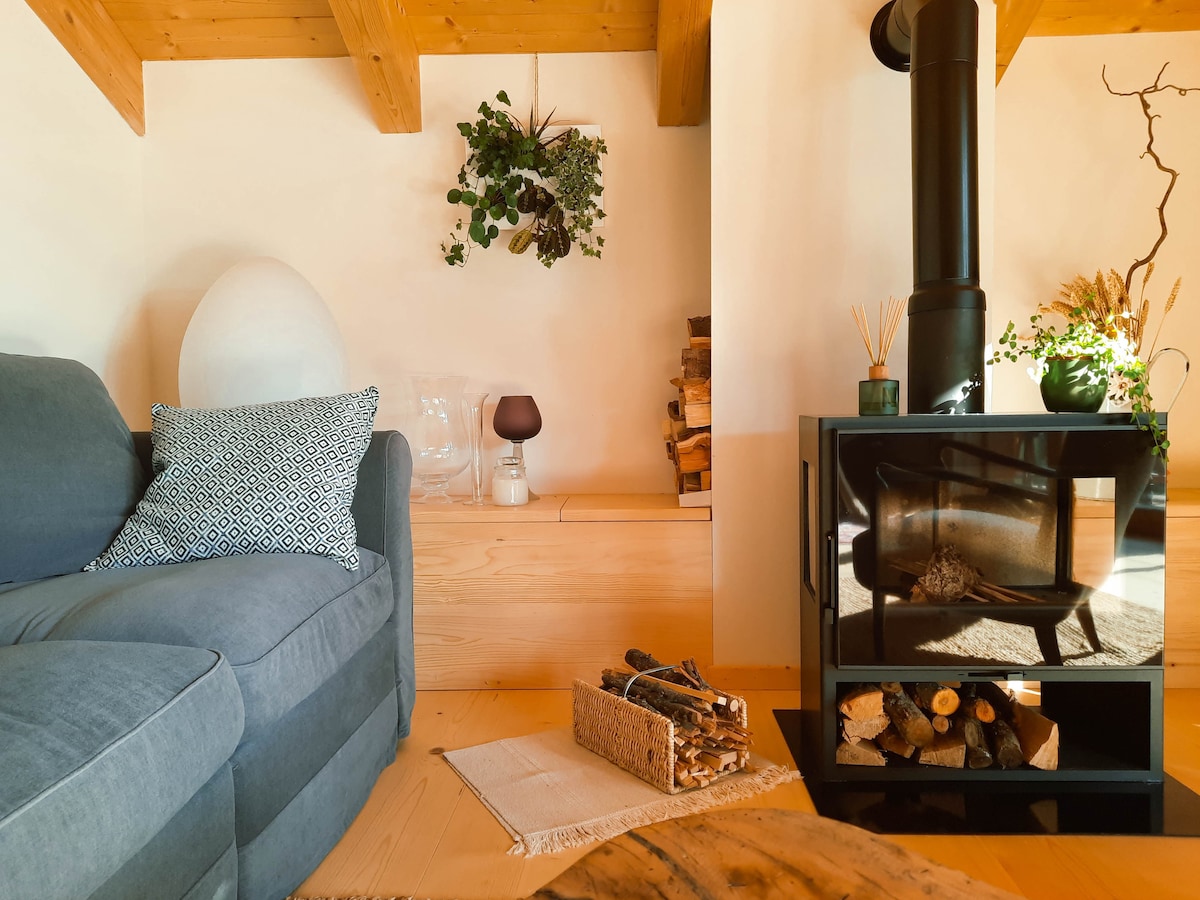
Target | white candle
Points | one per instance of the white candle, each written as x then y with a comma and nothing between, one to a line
509,491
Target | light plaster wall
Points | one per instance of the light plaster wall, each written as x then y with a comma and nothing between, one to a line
281,158
1073,196
812,212
71,235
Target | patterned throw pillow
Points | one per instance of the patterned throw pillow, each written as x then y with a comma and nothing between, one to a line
270,478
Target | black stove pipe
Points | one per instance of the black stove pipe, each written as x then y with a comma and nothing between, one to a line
937,41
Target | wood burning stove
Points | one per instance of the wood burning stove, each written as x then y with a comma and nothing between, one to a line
1057,525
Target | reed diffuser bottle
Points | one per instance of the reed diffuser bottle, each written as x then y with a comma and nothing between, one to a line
879,395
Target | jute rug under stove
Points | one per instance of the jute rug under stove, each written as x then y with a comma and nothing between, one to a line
551,794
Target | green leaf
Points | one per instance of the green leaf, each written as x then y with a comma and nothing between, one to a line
496,210
513,216
477,232
477,214
493,232
469,198
453,195
503,98
464,128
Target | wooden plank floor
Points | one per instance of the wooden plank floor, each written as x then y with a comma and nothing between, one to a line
423,834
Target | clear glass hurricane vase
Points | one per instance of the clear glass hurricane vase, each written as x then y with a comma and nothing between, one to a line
473,408
437,433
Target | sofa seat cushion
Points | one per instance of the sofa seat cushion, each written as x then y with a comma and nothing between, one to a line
285,622
104,744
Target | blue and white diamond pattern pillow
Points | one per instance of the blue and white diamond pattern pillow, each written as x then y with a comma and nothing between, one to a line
269,478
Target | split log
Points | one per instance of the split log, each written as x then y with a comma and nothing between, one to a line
946,750
1038,737
1000,699
910,722
696,362
862,703
891,741
936,698
978,754
858,729
1005,744
979,709
859,753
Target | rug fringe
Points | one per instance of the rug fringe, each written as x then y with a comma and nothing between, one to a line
670,807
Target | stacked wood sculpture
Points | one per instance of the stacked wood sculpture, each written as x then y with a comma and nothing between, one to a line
687,430
710,737
954,724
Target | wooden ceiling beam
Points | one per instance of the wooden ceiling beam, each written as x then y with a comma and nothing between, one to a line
1013,19
682,51
380,39
88,33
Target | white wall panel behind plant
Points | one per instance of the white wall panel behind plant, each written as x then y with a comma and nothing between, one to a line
282,159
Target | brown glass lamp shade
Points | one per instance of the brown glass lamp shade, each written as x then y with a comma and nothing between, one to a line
517,418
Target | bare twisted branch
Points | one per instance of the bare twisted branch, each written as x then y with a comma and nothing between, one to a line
1143,99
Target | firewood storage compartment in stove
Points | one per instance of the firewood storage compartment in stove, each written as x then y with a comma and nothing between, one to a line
1055,526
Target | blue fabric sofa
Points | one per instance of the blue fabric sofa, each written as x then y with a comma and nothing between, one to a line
206,729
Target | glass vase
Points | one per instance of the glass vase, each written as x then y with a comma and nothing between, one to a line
473,408
437,433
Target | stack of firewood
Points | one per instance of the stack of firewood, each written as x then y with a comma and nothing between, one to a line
947,723
710,735
687,430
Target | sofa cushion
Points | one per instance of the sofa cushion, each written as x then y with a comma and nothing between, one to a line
69,476
285,622
104,743
269,478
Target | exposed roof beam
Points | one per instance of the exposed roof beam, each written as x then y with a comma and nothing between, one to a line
380,39
1013,18
95,42
683,33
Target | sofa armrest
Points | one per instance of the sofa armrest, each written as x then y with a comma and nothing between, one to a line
381,517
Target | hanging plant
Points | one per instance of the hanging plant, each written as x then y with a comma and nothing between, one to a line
516,169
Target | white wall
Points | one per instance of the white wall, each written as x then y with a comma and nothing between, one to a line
812,213
1073,196
71,248
281,158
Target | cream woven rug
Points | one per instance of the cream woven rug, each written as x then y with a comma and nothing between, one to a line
550,794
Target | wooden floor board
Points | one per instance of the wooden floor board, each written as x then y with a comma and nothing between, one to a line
424,834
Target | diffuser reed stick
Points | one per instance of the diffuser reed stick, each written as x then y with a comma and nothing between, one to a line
889,324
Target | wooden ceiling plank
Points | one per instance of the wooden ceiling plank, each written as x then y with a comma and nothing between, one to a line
475,8
583,33
379,36
281,38
166,10
682,60
1060,18
95,42
1013,18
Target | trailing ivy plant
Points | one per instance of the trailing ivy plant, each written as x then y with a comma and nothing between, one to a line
515,168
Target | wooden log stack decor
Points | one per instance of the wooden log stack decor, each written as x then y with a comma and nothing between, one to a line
977,725
687,429
706,734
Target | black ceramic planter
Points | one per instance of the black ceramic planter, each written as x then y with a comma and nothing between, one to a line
1070,385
